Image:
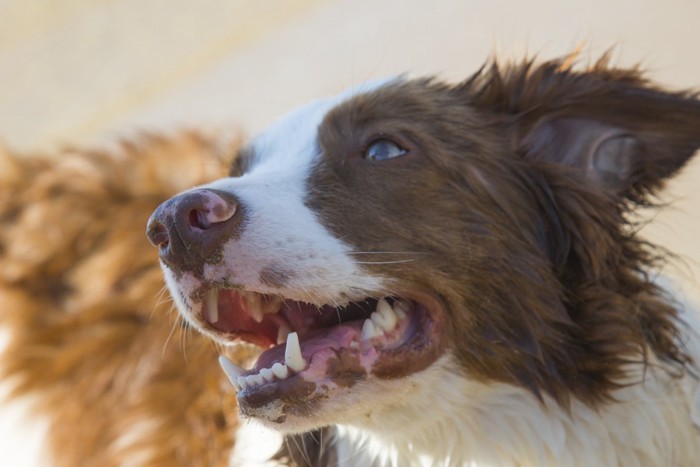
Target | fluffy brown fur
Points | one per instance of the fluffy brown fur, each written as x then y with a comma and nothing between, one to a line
543,223
92,331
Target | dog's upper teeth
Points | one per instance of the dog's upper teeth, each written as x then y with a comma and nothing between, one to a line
384,316
401,308
233,372
212,305
369,330
292,353
253,307
282,333
270,304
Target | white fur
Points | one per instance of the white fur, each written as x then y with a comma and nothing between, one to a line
280,231
450,420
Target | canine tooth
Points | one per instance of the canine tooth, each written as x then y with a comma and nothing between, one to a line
242,382
267,374
368,330
282,334
212,304
280,370
292,353
233,371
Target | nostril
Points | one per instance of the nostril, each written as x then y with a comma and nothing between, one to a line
210,210
198,219
157,234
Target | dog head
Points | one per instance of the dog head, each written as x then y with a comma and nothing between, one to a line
366,239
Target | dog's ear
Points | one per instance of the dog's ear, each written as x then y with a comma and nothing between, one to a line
626,134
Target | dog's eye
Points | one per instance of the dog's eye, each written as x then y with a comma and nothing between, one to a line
383,149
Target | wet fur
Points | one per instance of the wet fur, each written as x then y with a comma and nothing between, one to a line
581,305
80,287
583,323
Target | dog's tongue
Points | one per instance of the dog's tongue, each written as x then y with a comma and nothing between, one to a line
314,345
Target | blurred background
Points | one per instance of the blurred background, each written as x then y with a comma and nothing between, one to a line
87,71
72,71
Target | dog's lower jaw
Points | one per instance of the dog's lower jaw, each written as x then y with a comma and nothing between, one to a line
441,417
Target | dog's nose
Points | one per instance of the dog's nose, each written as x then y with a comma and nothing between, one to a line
188,229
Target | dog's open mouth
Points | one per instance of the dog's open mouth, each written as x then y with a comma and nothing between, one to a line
311,351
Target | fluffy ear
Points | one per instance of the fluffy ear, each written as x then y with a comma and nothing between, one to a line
626,134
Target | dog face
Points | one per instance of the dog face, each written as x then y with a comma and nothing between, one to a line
408,228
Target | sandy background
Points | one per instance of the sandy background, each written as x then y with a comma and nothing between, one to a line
87,71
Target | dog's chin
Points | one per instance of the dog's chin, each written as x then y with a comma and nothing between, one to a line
319,361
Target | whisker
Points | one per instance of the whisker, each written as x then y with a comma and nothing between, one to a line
172,331
162,298
184,334
388,253
300,443
386,262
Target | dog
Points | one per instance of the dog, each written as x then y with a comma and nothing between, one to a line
93,345
451,274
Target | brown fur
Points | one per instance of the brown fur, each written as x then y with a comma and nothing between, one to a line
553,295
93,335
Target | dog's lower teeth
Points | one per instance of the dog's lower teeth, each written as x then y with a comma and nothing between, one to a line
292,353
254,380
233,372
267,374
280,371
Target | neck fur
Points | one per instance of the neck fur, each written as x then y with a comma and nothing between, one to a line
448,420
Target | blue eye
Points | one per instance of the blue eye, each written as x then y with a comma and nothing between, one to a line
383,149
